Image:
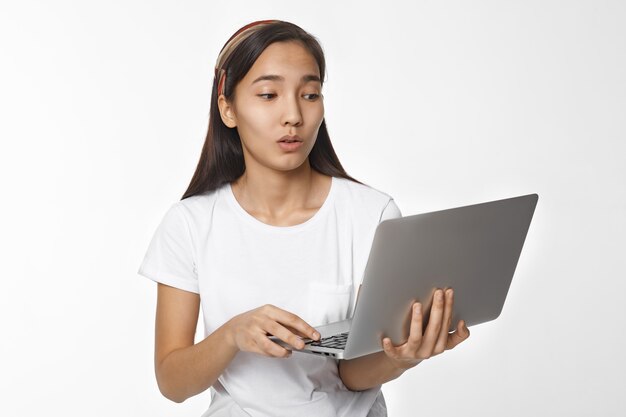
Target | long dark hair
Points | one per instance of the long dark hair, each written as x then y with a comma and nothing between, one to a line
221,160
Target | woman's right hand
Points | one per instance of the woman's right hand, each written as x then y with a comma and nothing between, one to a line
249,331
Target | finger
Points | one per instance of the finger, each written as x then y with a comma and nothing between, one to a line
257,348
461,334
389,349
415,332
292,320
297,332
434,324
442,340
270,348
283,334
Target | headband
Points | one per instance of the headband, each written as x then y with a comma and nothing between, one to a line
230,46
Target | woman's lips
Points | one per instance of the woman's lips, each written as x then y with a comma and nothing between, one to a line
289,146
290,138
290,143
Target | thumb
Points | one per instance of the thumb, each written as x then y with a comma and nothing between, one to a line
389,348
461,333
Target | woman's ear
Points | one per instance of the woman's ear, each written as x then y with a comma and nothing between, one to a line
226,112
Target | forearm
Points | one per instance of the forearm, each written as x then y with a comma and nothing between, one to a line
191,370
368,371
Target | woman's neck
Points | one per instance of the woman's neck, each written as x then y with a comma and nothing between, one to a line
275,196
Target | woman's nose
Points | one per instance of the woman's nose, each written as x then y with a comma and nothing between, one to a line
292,113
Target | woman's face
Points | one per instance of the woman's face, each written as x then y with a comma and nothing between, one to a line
280,95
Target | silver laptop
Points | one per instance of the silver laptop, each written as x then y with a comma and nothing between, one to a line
473,249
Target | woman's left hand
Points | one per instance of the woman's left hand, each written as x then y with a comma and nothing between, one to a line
436,339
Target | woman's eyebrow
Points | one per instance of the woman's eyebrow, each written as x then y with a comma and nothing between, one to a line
271,77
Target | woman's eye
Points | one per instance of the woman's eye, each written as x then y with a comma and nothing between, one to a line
269,96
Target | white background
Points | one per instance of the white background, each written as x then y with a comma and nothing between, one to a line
103,112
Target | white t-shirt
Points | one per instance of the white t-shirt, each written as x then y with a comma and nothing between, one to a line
208,244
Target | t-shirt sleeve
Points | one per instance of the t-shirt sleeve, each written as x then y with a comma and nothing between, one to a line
170,256
391,211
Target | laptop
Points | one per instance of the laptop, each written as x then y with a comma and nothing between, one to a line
473,249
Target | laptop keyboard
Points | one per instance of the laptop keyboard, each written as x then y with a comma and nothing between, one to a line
337,341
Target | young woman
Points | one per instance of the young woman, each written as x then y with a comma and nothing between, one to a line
271,238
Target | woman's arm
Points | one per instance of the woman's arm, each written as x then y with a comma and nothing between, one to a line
380,367
182,368
368,371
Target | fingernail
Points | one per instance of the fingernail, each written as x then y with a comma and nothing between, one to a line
316,335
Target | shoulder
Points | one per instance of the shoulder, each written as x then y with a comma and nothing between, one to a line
364,199
198,207
362,193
